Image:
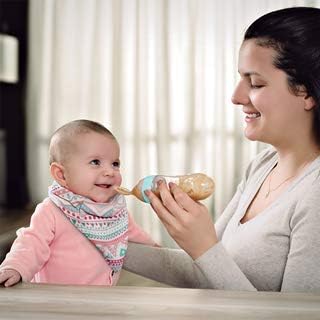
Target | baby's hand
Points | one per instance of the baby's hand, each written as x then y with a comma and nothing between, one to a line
9,277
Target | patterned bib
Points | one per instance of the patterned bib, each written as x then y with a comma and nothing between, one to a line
104,224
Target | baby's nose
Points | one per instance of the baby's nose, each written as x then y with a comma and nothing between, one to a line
108,171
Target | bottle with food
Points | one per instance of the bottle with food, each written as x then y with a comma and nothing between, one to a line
197,185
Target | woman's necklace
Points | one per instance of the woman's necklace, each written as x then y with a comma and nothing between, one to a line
314,155
278,186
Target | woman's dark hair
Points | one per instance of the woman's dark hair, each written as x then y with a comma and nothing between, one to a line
294,33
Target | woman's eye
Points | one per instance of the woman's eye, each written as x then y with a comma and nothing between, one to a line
256,86
116,164
95,162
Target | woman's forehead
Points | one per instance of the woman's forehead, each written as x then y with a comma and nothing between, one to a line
255,59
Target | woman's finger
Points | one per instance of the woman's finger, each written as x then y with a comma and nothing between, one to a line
182,198
169,201
164,215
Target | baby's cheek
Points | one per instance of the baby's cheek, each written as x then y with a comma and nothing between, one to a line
119,179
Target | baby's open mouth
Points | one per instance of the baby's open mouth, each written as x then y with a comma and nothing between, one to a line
105,186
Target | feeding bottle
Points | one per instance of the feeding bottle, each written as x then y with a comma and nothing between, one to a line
197,185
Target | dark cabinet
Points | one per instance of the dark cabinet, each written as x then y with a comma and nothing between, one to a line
13,177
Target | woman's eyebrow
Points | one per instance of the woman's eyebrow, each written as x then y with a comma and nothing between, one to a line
250,73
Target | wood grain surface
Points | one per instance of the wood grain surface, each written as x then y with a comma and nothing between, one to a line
36,301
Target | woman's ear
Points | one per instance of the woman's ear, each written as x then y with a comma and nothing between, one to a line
57,173
309,103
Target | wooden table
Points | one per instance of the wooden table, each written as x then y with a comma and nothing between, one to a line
35,301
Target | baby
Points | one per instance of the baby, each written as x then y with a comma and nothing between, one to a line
79,234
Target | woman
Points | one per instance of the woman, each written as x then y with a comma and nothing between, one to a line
268,236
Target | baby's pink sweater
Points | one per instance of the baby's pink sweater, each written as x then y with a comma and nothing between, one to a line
52,250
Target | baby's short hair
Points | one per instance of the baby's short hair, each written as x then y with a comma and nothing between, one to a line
62,139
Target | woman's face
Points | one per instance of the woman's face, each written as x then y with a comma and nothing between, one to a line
273,113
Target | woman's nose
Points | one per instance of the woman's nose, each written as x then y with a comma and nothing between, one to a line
240,95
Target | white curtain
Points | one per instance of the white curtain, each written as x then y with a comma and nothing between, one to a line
158,73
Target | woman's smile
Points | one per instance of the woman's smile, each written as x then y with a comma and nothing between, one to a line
250,117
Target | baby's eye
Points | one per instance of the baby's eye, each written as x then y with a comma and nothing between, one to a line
116,164
95,162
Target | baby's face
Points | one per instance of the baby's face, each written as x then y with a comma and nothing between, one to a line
93,168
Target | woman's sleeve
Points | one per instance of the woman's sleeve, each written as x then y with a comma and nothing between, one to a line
302,271
221,271
31,248
176,268
171,266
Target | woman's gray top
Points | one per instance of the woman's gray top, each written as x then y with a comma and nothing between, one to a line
278,250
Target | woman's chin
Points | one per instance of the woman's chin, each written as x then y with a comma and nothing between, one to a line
255,137
250,135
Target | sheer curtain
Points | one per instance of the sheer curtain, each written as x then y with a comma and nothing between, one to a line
158,73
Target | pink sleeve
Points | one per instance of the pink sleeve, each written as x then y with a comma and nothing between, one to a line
136,234
31,250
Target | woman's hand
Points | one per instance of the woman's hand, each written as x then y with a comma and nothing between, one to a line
187,221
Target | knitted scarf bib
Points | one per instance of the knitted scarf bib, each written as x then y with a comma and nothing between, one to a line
104,224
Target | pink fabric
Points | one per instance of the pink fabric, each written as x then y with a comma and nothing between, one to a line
63,255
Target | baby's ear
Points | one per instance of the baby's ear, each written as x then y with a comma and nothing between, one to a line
57,173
